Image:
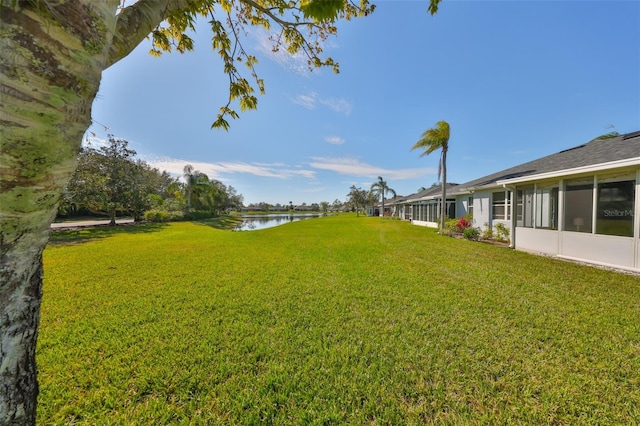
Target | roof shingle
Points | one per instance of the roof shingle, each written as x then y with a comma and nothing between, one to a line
597,151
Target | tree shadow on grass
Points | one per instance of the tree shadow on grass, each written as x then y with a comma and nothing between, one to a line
226,223
81,235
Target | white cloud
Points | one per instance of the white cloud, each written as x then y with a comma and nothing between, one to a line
354,167
308,101
94,141
334,140
266,43
278,164
341,105
312,99
218,170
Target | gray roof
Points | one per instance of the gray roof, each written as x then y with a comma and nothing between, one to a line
597,151
431,192
395,200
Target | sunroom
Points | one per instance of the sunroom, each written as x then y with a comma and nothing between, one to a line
424,207
586,213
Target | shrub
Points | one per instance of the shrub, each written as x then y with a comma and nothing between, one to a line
450,227
463,223
175,215
472,234
156,215
502,232
162,215
487,232
198,215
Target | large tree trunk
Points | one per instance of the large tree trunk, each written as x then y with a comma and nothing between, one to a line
112,216
53,54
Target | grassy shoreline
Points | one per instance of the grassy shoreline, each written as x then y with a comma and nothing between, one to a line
341,319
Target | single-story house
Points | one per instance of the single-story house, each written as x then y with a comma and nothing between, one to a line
393,207
397,207
579,203
424,207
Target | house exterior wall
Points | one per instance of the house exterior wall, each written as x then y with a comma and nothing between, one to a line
481,209
426,223
602,249
537,240
462,205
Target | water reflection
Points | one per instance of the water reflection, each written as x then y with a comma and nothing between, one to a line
255,222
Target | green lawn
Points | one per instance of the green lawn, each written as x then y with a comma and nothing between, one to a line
335,320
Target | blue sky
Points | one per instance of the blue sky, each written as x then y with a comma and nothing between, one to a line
516,80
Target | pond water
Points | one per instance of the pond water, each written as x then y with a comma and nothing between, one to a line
255,222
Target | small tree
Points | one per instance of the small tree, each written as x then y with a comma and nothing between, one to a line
106,178
324,207
357,197
235,201
109,180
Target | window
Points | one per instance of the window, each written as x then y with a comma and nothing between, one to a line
546,206
417,214
524,206
578,205
451,208
615,208
500,205
430,211
470,205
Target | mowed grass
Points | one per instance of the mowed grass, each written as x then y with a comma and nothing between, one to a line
333,320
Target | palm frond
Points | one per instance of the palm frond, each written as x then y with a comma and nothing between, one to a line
433,139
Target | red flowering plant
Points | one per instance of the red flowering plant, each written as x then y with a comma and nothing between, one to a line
456,227
463,223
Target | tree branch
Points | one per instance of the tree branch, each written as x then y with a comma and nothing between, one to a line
276,18
136,22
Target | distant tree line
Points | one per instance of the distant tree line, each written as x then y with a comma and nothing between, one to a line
323,207
110,181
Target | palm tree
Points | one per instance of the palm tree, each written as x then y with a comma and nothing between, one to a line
380,188
189,182
195,183
433,140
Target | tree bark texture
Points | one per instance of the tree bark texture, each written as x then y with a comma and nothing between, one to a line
443,218
53,54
